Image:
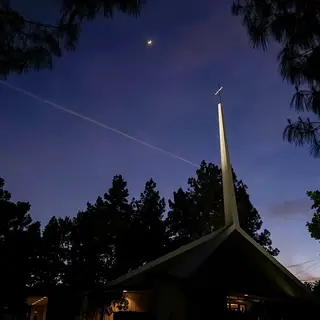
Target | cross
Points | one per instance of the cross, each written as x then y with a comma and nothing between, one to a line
218,93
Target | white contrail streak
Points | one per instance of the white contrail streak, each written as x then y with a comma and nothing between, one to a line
302,263
52,104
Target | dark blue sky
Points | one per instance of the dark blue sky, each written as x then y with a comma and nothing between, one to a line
164,96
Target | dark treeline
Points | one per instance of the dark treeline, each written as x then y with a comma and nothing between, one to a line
111,236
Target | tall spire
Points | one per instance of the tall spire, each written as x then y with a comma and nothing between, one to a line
229,198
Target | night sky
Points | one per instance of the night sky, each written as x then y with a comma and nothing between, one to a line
163,95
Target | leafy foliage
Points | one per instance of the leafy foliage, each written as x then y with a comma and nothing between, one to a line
148,226
18,242
314,225
309,285
199,210
53,255
314,286
295,25
31,45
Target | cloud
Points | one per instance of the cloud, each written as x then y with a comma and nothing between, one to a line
291,207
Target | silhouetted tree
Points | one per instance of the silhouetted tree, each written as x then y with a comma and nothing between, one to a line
309,285
92,250
147,234
196,211
99,248
120,214
27,44
316,288
54,254
250,219
83,253
18,238
295,25
199,210
314,225
85,249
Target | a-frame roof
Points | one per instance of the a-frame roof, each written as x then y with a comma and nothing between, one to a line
184,261
169,258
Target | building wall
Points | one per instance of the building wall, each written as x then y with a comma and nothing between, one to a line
138,301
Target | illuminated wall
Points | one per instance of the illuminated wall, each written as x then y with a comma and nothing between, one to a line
39,306
138,301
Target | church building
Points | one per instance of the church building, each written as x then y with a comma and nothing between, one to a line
222,275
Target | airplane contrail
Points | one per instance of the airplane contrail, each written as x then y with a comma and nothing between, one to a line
59,107
302,263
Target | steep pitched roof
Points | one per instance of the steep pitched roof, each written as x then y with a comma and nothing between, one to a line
274,261
217,236
184,261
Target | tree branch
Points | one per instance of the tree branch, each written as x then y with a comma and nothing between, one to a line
304,132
